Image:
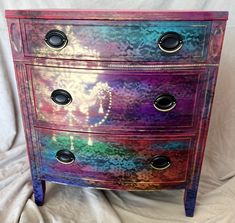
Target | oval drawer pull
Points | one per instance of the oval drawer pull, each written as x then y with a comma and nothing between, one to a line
61,97
160,162
165,103
65,156
170,42
56,39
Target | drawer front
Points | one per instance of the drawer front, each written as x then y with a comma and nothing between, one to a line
150,41
108,100
116,158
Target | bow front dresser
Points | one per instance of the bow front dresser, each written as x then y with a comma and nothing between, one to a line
116,100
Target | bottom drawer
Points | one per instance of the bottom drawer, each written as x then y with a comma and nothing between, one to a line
114,159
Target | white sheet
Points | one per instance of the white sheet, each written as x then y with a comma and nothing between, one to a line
216,197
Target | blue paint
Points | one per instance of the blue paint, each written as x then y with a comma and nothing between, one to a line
171,145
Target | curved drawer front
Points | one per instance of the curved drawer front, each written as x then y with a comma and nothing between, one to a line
108,100
117,40
114,158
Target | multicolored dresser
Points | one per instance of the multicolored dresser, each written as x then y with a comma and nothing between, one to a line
116,100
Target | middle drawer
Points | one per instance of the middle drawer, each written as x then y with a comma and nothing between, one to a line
116,100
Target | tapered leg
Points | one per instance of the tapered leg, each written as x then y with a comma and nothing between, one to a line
39,187
190,196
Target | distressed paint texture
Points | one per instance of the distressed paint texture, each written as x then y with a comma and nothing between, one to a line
114,71
126,99
119,15
114,158
118,41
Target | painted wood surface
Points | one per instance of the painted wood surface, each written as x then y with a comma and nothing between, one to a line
115,153
104,101
117,41
118,14
114,158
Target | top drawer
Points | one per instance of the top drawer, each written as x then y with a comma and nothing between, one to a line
142,41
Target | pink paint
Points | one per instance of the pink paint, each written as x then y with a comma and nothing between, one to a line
115,68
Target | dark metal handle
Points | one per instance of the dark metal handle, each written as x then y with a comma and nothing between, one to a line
65,156
165,103
170,42
56,39
61,97
160,162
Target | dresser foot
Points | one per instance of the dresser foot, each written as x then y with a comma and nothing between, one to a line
39,187
190,196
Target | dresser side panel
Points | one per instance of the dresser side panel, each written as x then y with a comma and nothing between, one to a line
208,92
15,38
26,110
216,41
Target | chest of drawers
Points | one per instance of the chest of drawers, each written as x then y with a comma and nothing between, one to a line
116,99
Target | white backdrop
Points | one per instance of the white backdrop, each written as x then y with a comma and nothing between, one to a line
65,204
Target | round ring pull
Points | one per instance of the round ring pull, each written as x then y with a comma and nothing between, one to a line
160,162
165,103
61,97
56,39
170,42
65,156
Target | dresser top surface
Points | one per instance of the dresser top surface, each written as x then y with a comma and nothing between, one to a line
117,14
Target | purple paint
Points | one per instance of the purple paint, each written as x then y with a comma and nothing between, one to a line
130,96
111,126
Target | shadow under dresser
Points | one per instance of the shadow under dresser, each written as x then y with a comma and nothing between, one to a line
116,99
